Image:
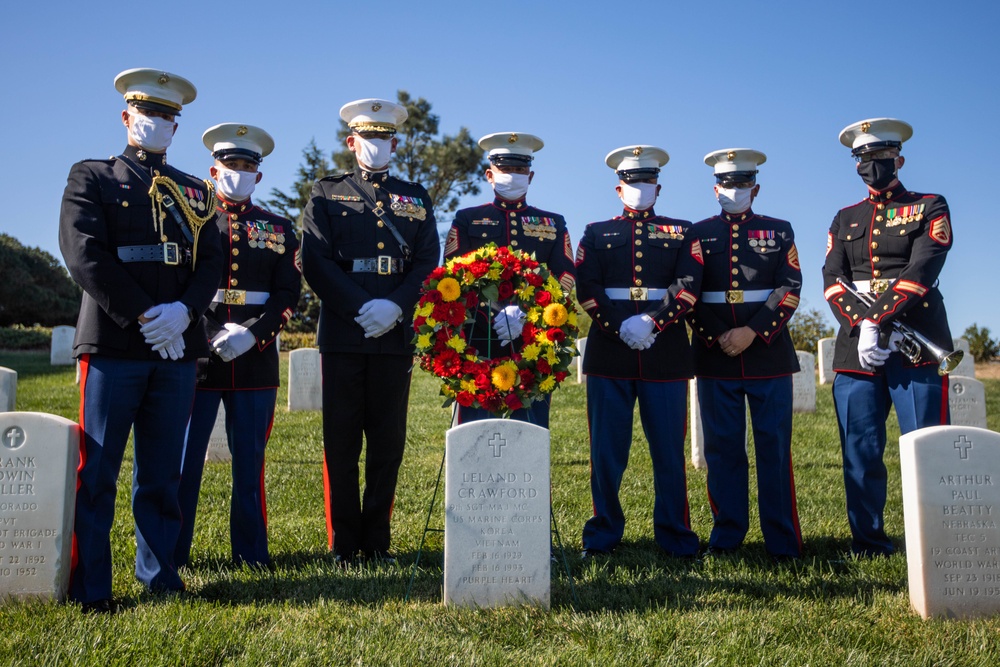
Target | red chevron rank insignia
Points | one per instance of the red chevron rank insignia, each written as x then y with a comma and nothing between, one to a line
696,252
793,258
829,242
941,230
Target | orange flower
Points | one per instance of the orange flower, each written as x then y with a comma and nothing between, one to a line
555,314
449,288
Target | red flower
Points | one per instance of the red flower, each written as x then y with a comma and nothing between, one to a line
506,274
432,296
448,363
543,366
543,298
479,268
512,401
471,299
469,367
561,375
419,322
529,331
483,381
506,290
556,335
490,401
438,273
533,279
456,314
527,377
465,399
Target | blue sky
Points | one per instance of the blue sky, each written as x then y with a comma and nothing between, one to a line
587,77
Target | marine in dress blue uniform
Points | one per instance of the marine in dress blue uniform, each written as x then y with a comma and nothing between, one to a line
744,354
131,231
892,246
638,275
368,279
255,299
510,221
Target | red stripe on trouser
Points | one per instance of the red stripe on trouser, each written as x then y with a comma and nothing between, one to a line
326,505
944,399
263,464
84,368
795,505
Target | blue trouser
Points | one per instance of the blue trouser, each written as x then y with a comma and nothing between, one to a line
537,413
662,408
862,403
723,418
115,395
249,416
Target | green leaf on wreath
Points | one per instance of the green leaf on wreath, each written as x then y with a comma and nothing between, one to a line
490,293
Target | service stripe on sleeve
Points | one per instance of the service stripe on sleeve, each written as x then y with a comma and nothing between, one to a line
687,297
834,291
910,286
589,304
790,301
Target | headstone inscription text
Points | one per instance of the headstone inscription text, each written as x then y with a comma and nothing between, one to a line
951,505
38,461
825,347
305,380
804,383
497,541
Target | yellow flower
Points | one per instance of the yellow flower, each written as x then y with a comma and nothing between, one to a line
494,273
424,341
449,288
447,391
571,318
504,376
555,314
553,285
425,310
457,344
527,293
469,386
542,339
533,314
431,322
551,356
530,352
548,384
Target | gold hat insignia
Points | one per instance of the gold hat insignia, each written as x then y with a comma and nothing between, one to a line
512,139
865,126
637,151
163,79
376,106
241,130
731,155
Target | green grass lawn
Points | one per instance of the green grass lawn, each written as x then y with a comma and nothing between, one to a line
636,608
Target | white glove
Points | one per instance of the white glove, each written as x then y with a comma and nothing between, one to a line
869,353
235,341
636,330
171,349
378,316
508,324
895,338
167,320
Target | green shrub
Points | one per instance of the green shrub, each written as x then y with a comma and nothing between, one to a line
293,340
20,337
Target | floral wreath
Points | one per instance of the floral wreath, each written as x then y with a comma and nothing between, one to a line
445,314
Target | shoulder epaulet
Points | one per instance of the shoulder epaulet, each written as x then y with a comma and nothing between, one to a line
337,176
548,214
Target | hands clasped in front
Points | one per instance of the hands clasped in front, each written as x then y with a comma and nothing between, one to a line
637,332
232,341
163,328
378,316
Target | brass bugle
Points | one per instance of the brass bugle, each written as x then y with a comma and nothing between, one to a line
913,340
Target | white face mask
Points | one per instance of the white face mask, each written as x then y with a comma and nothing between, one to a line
235,186
510,186
152,134
734,200
640,196
375,153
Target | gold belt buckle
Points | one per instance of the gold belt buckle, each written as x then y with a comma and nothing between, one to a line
734,296
384,265
638,293
235,297
171,254
879,286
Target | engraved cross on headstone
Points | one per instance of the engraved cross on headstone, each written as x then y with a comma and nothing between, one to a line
963,446
13,437
497,443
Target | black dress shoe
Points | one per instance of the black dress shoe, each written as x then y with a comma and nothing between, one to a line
343,562
105,606
591,554
720,551
381,557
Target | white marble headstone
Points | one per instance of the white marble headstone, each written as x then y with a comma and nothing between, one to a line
967,368
967,401
825,347
497,542
8,389
61,353
305,380
951,504
218,442
581,345
804,383
38,460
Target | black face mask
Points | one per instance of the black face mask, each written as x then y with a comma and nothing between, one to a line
878,174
